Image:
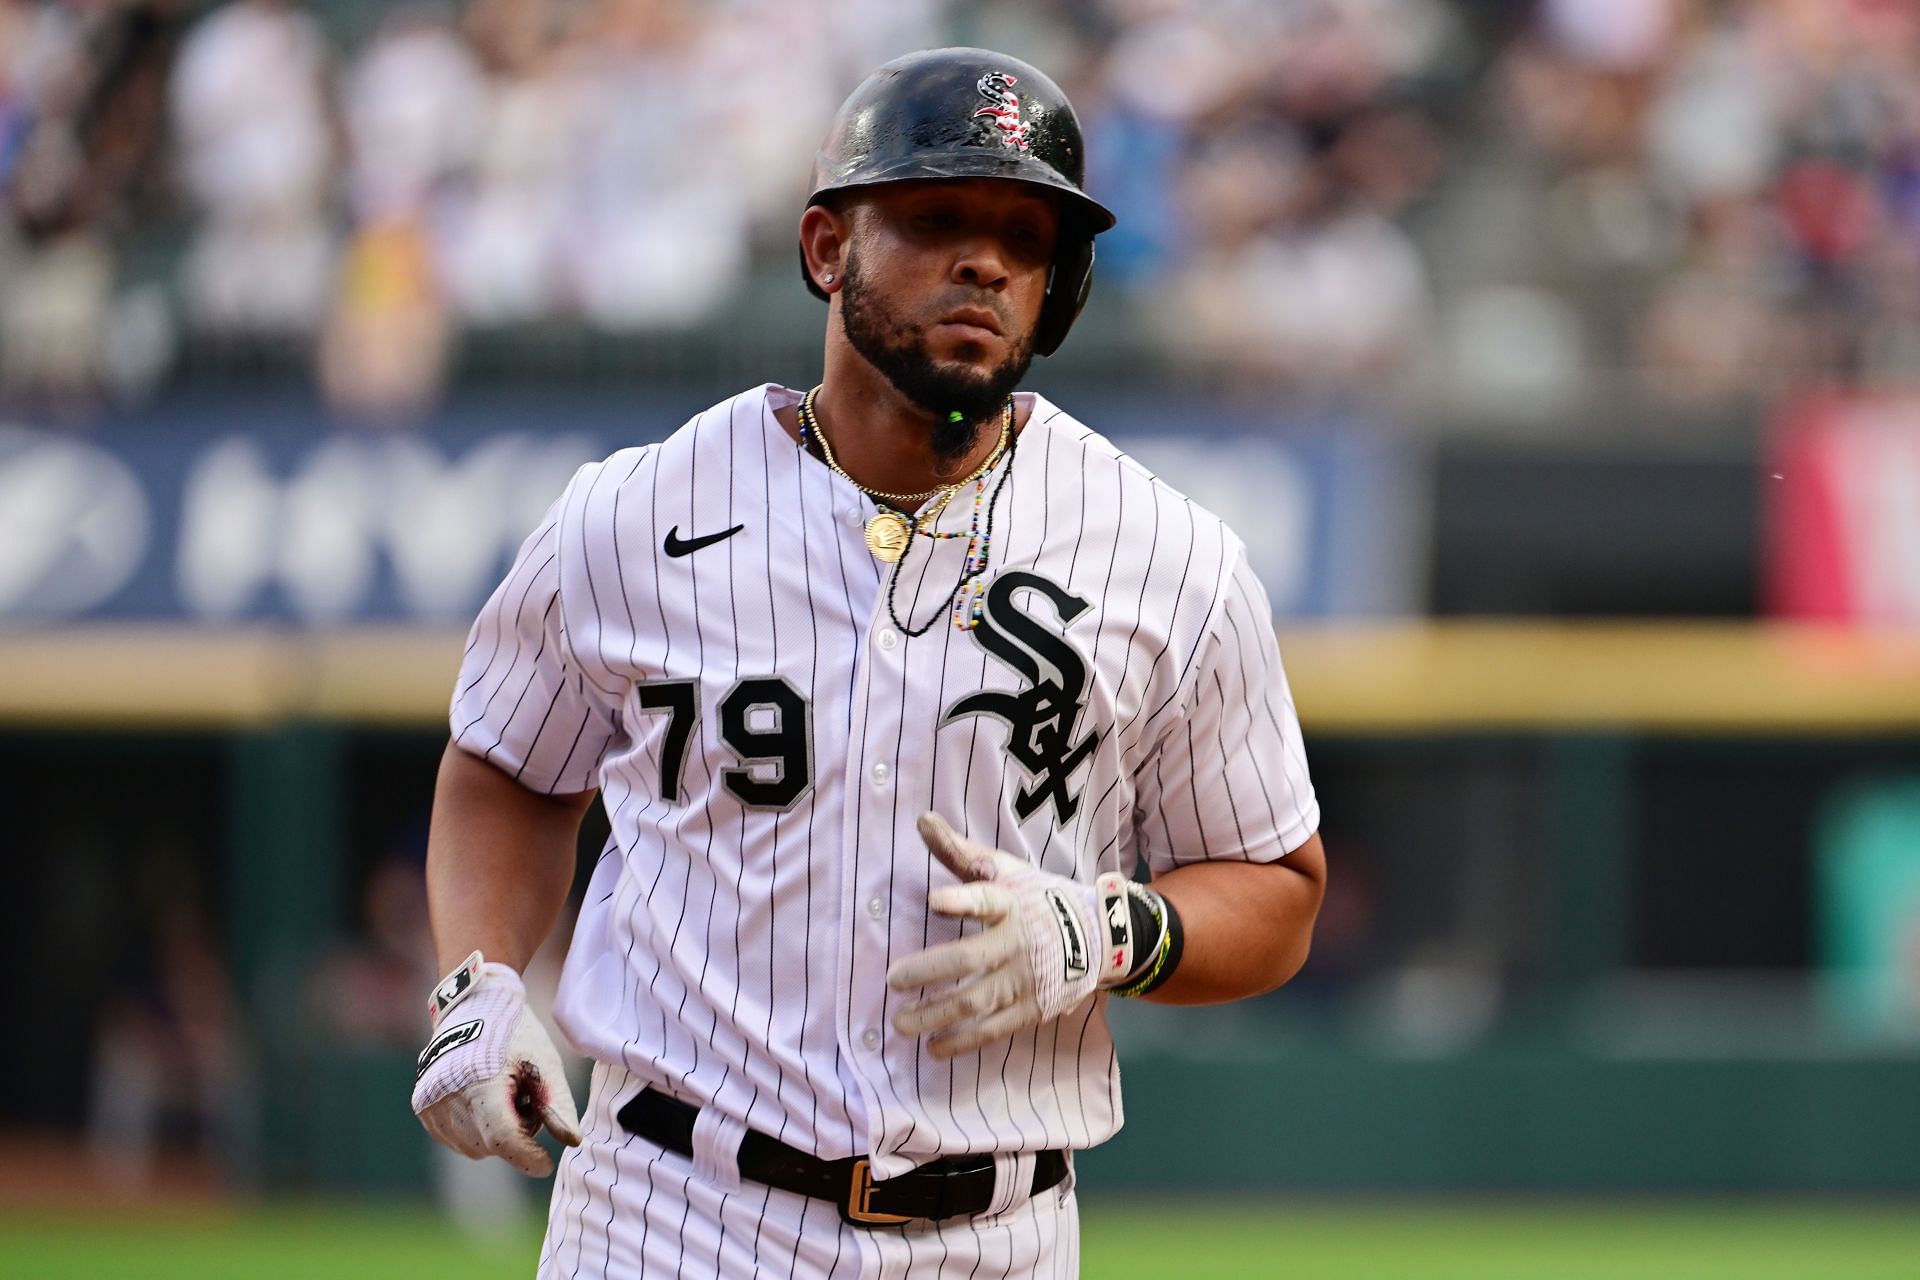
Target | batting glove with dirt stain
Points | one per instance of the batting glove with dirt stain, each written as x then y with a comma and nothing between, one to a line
491,1077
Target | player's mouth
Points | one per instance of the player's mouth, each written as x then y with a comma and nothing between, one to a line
972,324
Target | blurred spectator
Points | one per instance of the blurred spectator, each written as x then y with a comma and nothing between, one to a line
658,226
171,1072
369,994
80,95
497,230
412,105
413,109
256,153
383,355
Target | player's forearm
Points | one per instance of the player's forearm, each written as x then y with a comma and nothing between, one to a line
1247,926
499,862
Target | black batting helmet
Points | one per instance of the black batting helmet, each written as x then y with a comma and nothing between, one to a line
971,113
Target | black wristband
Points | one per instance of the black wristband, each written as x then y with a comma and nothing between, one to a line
1153,918
1176,943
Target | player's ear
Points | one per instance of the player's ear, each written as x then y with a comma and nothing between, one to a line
823,245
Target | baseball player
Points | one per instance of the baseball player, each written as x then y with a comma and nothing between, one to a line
889,687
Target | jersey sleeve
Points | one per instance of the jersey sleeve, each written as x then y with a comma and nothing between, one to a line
1229,780
522,702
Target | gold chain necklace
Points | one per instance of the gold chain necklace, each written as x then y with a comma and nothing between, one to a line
889,532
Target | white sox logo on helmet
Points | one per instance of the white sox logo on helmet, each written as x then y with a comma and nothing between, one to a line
1003,108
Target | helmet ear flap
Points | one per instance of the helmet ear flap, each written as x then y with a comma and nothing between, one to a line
1067,289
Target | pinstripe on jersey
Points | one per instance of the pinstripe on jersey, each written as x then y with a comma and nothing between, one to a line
736,936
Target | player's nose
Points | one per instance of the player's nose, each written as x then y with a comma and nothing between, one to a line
981,263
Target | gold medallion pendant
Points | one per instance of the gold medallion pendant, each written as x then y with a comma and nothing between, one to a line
888,535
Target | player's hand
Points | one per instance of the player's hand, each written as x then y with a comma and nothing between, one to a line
1042,952
490,1077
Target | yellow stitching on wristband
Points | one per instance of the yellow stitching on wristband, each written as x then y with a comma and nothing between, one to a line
1155,904
1159,963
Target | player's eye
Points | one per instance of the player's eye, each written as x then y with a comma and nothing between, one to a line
1030,240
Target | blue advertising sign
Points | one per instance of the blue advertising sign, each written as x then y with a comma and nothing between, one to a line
235,511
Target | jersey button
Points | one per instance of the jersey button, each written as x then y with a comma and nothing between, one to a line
870,1038
880,773
876,908
852,517
889,639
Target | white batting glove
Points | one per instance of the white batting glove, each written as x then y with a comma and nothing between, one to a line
1049,943
490,1077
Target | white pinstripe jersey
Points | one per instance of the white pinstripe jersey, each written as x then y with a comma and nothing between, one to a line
764,736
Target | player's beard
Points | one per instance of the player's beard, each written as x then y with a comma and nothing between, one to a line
941,389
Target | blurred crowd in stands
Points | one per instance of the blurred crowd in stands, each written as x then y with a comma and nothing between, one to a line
1504,206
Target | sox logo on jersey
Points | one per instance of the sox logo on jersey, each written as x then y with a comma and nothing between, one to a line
1042,716
764,735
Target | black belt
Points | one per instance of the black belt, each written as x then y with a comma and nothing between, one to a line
945,1188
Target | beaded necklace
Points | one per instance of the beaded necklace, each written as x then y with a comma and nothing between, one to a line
969,591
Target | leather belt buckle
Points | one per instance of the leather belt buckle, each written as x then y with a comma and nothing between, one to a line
857,1208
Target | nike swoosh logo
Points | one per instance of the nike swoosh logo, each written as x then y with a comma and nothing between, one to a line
676,548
